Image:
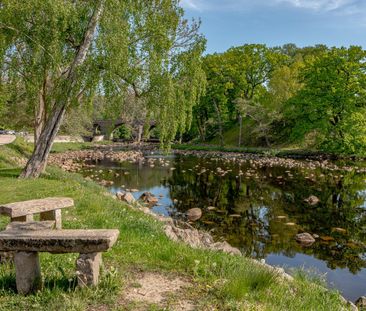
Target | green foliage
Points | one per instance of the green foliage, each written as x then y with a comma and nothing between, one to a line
313,97
143,47
332,101
241,74
122,132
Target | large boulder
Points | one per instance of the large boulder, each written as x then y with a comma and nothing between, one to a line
194,214
305,239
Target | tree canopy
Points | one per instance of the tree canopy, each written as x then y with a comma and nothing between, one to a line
58,54
312,97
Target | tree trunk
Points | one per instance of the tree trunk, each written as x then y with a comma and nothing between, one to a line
41,111
140,133
201,129
240,129
220,124
267,141
38,161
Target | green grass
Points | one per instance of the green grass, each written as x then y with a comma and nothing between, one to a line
219,281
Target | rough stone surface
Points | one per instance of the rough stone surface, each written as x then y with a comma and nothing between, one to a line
226,248
18,209
198,239
126,197
194,214
361,303
305,239
58,241
32,225
87,269
192,237
149,198
28,272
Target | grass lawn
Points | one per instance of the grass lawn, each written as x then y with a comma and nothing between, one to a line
218,281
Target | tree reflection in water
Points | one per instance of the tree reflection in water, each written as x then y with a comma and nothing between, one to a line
272,209
258,209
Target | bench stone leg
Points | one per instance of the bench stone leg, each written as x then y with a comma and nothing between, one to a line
23,218
87,269
52,215
28,272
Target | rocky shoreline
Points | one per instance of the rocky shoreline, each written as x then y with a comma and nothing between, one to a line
73,161
181,231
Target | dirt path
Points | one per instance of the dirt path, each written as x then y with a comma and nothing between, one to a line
6,139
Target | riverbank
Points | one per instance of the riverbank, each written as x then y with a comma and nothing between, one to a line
278,152
144,263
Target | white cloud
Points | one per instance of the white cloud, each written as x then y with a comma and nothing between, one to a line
315,5
190,4
319,5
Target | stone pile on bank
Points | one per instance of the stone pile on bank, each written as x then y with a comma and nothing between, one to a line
74,161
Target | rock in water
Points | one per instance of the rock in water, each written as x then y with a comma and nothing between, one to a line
149,198
194,214
305,239
312,200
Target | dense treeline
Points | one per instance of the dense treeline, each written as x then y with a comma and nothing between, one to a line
308,97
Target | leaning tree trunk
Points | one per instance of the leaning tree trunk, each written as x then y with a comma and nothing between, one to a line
40,113
38,161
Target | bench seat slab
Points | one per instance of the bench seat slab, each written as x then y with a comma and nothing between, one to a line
58,241
19,209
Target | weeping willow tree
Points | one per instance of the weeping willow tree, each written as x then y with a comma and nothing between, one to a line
63,53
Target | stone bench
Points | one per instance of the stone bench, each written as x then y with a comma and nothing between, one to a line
27,239
49,209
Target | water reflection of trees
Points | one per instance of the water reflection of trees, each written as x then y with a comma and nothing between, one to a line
262,198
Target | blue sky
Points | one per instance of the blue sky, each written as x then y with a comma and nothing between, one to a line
227,23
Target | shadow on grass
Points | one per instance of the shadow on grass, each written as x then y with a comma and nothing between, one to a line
11,172
8,284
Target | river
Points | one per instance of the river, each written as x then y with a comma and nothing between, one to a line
259,208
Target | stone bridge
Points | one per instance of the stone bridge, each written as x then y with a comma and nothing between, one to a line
106,127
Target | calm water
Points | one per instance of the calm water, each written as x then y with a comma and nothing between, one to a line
261,209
